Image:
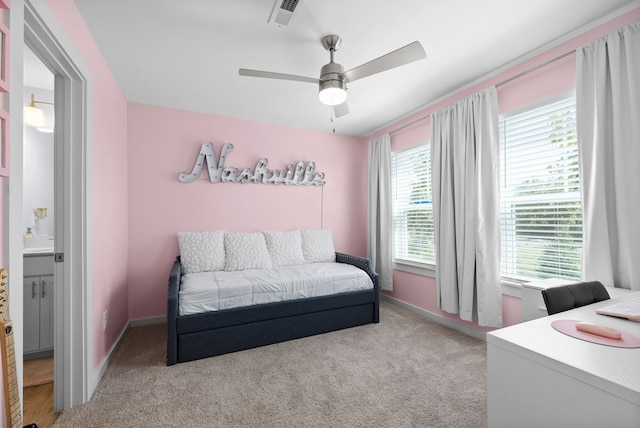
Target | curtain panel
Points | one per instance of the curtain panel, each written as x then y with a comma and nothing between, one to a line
466,190
608,124
380,236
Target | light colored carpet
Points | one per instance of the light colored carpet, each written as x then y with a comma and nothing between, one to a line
406,371
37,372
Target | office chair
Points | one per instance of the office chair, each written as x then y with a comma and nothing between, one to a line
570,296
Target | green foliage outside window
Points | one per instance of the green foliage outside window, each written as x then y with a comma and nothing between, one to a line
547,217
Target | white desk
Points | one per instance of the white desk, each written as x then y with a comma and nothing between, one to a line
539,377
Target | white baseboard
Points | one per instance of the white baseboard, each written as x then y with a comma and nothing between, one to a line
102,368
147,321
97,374
437,318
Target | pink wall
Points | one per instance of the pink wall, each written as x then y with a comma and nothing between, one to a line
557,77
164,142
109,170
139,205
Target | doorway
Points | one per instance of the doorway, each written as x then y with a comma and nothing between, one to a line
72,296
39,238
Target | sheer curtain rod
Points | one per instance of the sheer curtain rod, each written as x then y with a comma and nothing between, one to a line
420,119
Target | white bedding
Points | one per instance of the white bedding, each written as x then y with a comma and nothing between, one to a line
213,291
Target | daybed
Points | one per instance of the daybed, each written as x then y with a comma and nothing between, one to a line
242,314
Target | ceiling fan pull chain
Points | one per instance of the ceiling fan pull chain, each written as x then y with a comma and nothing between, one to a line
331,114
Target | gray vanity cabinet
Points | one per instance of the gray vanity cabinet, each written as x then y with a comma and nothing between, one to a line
38,303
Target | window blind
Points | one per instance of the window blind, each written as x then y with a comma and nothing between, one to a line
541,215
412,207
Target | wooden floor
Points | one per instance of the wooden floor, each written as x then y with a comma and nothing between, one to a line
38,400
38,405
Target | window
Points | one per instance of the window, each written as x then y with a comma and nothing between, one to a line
540,209
412,209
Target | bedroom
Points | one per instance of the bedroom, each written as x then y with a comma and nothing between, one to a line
138,150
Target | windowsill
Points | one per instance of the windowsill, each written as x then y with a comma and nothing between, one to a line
510,287
415,268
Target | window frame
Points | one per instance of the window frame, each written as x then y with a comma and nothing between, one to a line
415,267
512,284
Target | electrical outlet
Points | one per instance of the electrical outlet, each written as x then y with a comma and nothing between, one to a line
105,320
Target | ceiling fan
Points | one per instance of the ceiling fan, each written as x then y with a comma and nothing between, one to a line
333,80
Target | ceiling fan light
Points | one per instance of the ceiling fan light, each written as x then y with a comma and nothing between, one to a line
332,92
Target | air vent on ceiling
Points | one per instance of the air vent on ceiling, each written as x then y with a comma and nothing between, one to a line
284,12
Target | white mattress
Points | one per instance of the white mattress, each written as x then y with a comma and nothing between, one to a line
214,291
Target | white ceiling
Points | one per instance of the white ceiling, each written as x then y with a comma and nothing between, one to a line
186,54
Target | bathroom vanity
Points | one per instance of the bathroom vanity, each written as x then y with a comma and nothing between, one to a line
38,302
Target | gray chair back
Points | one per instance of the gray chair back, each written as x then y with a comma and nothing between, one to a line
565,297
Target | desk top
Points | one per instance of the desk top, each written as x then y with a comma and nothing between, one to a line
616,370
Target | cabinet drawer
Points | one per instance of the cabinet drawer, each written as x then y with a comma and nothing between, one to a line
37,265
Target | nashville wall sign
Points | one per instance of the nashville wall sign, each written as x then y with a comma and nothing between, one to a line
300,174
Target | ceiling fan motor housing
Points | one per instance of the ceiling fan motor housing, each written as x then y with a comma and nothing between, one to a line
332,87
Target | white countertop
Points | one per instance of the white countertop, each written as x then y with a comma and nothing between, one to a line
37,251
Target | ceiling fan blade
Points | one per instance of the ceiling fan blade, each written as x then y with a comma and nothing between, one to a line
405,55
282,76
341,110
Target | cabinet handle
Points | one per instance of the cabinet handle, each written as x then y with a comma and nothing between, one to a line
33,290
44,288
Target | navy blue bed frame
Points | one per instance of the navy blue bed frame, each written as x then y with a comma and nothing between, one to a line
191,337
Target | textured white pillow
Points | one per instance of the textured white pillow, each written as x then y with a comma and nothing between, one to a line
285,247
245,251
317,245
201,251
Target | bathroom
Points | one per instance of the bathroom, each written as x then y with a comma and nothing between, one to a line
38,197
38,208
38,232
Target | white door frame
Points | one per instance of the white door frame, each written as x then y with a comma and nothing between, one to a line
73,305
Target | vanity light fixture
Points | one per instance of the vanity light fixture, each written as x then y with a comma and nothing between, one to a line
41,212
34,116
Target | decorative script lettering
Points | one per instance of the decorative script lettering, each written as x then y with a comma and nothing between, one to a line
300,174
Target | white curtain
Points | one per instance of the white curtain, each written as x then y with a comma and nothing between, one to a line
380,242
608,121
466,191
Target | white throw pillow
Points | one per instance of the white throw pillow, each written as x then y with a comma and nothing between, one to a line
245,251
317,245
285,247
201,251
